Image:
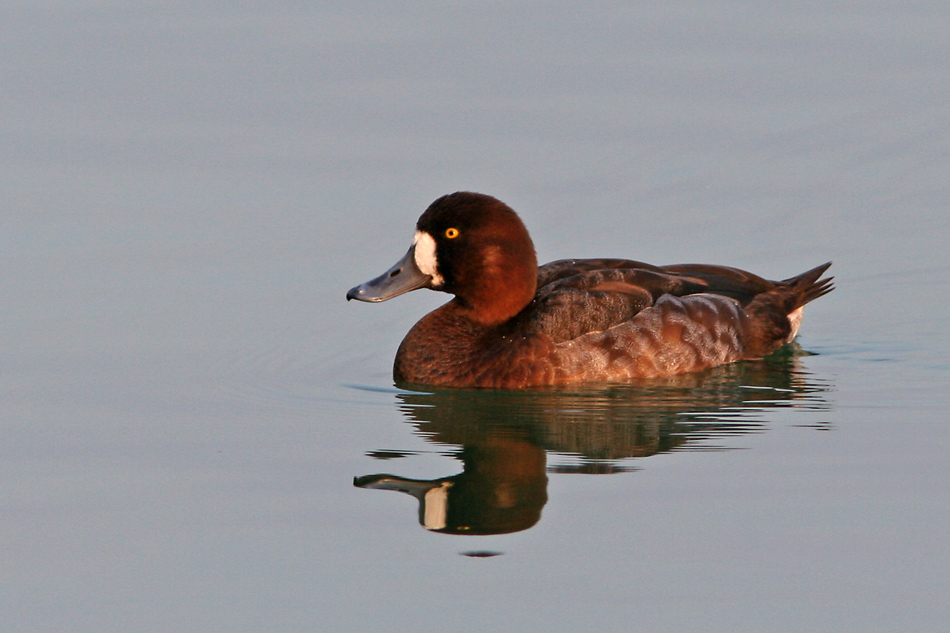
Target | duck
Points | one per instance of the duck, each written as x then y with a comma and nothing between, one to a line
514,325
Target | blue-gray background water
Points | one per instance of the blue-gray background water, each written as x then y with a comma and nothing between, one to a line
187,190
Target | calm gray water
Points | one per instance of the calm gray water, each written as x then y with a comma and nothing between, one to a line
187,190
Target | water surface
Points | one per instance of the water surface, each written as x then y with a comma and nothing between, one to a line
188,191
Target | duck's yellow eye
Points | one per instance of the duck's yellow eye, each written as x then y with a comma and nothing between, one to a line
451,233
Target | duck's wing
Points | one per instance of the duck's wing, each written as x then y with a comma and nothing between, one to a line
721,280
577,296
569,267
738,284
574,301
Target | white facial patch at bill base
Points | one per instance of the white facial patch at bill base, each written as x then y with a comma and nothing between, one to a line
425,257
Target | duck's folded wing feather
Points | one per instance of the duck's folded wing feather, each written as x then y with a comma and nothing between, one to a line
722,280
570,306
569,267
741,285
577,296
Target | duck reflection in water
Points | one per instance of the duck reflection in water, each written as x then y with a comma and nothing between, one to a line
503,437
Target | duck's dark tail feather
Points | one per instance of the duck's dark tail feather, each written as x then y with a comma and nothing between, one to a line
807,287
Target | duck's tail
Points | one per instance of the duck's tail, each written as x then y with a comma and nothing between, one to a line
808,286
774,316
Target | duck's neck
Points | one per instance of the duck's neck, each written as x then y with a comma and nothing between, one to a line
503,289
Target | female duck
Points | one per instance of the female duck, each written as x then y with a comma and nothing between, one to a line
513,324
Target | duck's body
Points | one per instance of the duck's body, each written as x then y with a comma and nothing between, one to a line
514,325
